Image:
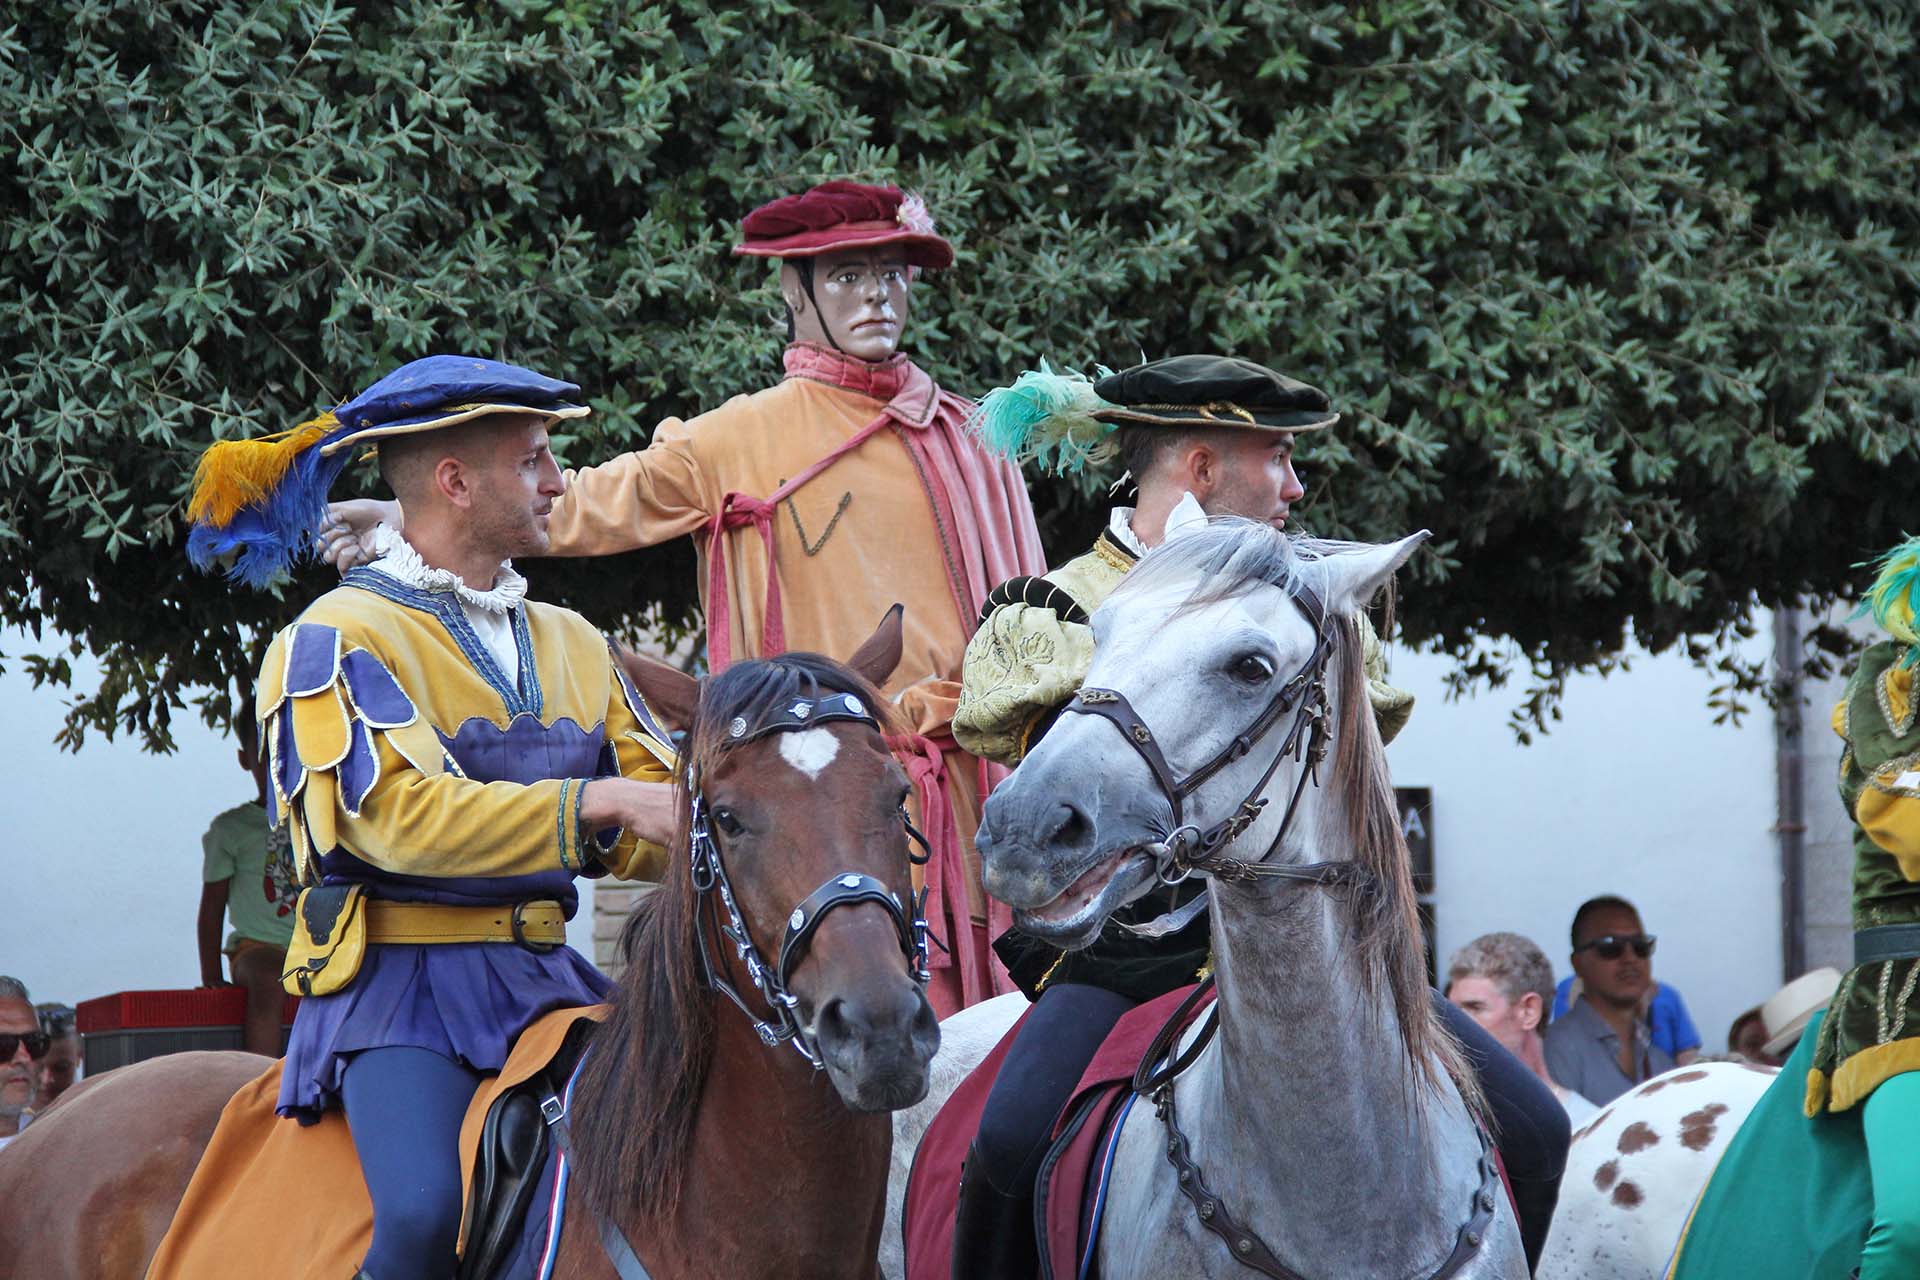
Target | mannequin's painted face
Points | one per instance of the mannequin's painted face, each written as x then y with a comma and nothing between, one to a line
860,300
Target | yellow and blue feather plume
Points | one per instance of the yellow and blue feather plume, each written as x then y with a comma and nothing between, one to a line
1894,598
262,501
1045,417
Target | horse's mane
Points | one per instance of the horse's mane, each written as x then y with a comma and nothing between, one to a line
639,1089
1230,558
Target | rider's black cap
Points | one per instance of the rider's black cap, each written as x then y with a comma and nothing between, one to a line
1215,391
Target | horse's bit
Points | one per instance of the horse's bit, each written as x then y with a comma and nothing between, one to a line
1189,849
843,889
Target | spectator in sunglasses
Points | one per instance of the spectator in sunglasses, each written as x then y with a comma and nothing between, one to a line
1603,1045
25,1046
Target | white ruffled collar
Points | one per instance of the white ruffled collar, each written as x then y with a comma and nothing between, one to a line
399,561
1186,516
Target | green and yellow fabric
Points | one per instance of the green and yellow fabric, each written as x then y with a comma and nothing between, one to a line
1872,1029
1824,1171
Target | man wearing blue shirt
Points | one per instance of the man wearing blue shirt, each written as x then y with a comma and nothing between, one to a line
1603,1045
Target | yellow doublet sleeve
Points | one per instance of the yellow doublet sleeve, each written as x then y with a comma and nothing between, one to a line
641,744
638,499
1023,664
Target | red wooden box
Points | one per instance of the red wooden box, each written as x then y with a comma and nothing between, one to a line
131,1026
150,1010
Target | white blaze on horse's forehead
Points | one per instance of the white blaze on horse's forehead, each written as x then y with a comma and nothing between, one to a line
809,750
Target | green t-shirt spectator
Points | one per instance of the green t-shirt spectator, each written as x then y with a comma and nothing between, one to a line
243,847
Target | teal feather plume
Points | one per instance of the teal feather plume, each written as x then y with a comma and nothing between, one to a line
1894,598
1045,417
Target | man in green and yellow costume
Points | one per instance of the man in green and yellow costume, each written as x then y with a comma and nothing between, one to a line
1826,1169
1201,436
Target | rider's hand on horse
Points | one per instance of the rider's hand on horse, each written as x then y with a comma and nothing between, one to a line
346,539
644,808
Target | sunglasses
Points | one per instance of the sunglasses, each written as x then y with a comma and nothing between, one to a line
37,1042
1611,946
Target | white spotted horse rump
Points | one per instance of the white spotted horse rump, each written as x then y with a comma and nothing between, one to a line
1635,1170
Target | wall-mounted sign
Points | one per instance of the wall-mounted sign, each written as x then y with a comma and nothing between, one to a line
1416,826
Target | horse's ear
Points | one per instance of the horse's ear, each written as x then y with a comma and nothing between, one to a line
1354,577
880,654
667,689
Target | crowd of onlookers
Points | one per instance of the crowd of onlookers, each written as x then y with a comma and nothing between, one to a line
40,1056
1609,1026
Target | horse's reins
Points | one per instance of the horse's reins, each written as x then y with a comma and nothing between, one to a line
842,889
1189,849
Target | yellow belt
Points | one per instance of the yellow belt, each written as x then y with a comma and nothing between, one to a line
539,924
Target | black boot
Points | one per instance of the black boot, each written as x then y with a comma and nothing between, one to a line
993,1232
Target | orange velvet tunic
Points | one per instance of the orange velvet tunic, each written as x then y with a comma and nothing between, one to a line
914,514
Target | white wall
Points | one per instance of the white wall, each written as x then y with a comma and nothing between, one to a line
1635,792
100,850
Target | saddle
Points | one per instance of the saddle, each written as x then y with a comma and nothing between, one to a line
267,1187
1070,1190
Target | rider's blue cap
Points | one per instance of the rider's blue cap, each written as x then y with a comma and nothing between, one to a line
263,500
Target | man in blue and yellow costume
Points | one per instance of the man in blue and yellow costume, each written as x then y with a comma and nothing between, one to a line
448,756
1200,436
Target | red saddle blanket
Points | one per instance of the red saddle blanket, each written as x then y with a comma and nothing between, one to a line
1069,1177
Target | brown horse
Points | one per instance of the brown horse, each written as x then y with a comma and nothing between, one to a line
713,1152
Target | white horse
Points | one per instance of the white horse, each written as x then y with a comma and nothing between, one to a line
1636,1169
1329,1117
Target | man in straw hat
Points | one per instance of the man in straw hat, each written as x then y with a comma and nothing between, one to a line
448,757
1201,436
819,502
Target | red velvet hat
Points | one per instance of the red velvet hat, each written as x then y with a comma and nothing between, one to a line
844,215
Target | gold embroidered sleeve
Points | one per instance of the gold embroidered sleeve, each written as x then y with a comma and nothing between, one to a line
1392,707
1021,666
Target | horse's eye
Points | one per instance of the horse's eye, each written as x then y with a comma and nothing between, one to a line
1253,668
725,819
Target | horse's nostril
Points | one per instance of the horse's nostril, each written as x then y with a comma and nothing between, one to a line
1072,830
832,1024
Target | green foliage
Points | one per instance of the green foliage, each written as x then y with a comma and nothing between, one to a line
1619,295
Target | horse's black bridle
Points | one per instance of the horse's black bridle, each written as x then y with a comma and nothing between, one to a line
842,889
1187,848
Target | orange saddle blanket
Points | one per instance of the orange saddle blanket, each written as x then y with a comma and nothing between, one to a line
269,1188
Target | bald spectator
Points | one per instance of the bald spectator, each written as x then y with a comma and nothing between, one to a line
1503,982
22,1047
64,1056
1603,1045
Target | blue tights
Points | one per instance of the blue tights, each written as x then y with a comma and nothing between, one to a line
404,1106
